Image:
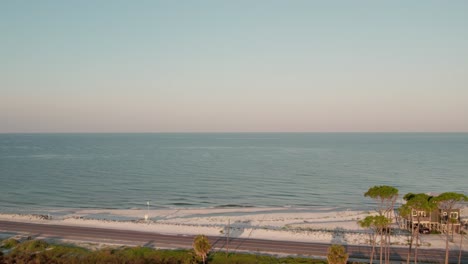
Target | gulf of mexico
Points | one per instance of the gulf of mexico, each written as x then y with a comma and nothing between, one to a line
120,171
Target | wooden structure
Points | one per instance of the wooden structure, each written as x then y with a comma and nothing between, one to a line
438,220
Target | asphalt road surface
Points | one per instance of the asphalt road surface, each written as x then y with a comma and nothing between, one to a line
129,237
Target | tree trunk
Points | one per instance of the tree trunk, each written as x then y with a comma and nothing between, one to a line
387,252
453,229
391,216
416,246
381,244
447,235
387,260
461,247
410,245
417,240
373,248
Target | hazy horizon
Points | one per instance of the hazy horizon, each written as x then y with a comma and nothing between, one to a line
243,67
243,132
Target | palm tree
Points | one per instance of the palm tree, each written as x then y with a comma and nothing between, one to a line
337,255
201,246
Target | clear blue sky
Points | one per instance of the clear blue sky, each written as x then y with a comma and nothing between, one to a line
218,66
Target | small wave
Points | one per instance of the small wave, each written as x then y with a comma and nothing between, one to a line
304,174
183,204
234,206
284,195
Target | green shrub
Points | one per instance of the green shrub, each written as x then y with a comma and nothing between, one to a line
173,256
136,252
59,252
237,258
337,255
32,246
9,243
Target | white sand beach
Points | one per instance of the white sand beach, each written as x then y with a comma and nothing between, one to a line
287,224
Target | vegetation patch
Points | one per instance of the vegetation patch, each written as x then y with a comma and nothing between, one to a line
32,246
9,243
39,251
222,258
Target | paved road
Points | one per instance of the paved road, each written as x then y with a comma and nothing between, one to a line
219,243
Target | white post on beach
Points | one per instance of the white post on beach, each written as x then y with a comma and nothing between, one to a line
147,211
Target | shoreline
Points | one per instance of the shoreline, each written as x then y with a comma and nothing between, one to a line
324,225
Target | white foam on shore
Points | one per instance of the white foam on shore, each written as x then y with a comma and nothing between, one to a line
286,224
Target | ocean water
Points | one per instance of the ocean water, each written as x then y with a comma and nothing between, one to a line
41,172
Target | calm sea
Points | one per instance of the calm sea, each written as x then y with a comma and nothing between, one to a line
121,171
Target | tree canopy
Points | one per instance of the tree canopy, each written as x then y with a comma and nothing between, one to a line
382,192
447,200
420,202
374,222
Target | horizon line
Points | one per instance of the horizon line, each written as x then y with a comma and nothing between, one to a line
245,132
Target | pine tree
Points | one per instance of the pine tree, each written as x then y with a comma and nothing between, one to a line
386,197
447,202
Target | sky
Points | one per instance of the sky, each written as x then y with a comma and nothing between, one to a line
233,66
